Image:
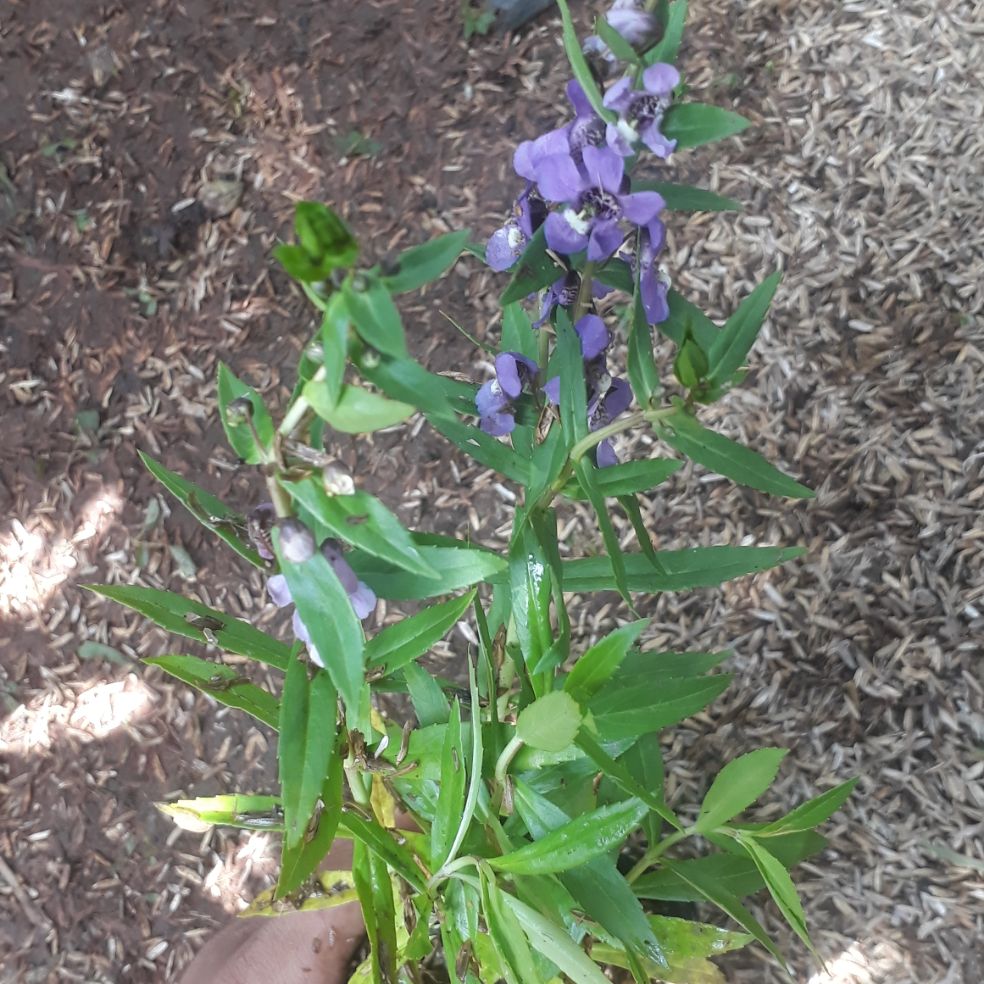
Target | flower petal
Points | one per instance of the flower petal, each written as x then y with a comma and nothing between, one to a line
660,79
606,237
605,454
617,399
490,398
579,100
551,389
558,178
363,600
641,207
561,237
619,96
656,142
507,372
278,591
654,301
497,424
594,336
605,168
500,253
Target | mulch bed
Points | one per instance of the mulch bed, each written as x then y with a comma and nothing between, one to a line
150,158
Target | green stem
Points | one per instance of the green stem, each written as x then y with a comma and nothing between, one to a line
299,409
280,499
508,754
654,854
583,301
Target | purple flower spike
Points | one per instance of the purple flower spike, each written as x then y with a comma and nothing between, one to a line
641,112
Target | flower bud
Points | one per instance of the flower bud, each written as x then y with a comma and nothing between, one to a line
296,541
239,411
337,481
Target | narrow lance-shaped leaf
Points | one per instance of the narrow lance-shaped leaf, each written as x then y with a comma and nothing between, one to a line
668,46
357,410
244,811
193,620
577,842
732,345
324,607
452,799
687,198
222,683
308,720
398,644
694,124
739,784
376,318
726,457
811,813
586,473
596,666
579,64
211,512
419,265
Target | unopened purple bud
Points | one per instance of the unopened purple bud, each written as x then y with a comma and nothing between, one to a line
296,541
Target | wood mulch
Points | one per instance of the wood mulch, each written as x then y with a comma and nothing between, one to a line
149,158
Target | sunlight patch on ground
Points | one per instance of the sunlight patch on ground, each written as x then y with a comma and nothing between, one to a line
233,879
84,716
33,567
864,962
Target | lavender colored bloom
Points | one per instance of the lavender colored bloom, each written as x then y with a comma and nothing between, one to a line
637,25
494,399
361,596
596,202
506,245
563,293
654,284
641,111
602,411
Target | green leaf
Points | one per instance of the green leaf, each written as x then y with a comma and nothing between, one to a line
700,567
639,668
586,474
357,411
709,889
451,802
326,387
726,457
568,363
598,888
299,265
221,682
507,936
409,382
643,763
687,945
579,65
627,713
534,269
363,521
780,887
298,860
622,777
429,703
324,608
553,942
739,784
628,477
685,318
630,506
419,265
517,332
596,665
376,319
687,198
323,236
192,619
575,843
458,568
384,845
811,813
694,124
404,641
483,448
239,434
618,46
226,810
308,716
211,512
549,723
643,374
615,273
727,354
530,579
735,874
690,365
668,46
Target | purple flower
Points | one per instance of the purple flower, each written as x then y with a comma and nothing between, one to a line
361,596
495,398
595,339
563,293
653,281
506,245
641,111
602,410
596,202
638,26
